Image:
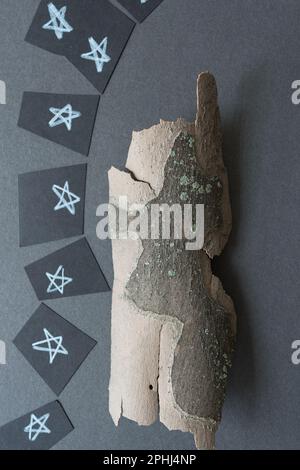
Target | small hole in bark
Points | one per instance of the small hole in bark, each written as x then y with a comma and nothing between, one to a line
150,387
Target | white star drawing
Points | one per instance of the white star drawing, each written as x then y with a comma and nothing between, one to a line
63,116
52,350
34,432
58,22
67,200
97,49
144,1
58,276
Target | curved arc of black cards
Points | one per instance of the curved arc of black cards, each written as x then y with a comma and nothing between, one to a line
24,427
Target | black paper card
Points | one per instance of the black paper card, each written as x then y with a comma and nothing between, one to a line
51,204
52,27
140,9
54,347
90,34
71,271
67,120
39,430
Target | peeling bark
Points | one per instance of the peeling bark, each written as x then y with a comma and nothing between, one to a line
173,326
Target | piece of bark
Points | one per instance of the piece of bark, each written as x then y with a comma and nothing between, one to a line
173,326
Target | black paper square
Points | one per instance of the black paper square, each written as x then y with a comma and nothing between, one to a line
41,35
88,19
54,347
49,115
139,9
39,430
51,204
71,271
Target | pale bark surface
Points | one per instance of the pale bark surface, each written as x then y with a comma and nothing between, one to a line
173,326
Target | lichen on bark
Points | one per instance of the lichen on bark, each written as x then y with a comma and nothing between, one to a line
169,281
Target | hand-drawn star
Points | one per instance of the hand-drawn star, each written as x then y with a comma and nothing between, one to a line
54,286
53,351
144,1
58,22
63,116
42,429
67,200
97,49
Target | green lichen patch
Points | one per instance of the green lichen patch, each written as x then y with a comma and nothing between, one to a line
184,197
184,180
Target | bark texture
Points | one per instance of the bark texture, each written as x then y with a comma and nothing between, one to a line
173,326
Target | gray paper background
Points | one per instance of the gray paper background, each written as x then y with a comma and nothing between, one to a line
253,48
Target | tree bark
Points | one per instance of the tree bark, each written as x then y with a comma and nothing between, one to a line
173,326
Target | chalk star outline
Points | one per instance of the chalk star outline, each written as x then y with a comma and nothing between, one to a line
53,352
96,49
53,286
33,434
58,22
62,194
60,118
